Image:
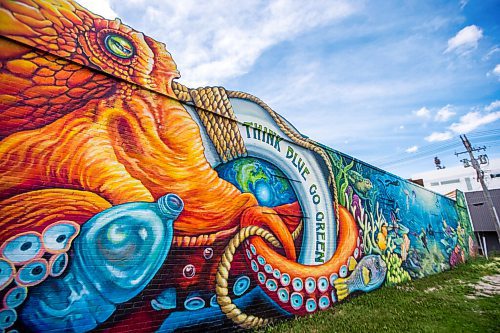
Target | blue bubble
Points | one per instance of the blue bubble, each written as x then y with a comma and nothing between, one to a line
261,277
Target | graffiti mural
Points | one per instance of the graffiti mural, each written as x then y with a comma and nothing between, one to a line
129,202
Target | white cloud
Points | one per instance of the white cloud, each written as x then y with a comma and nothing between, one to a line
412,149
101,7
212,41
423,112
444,113
473,120
439,136
465,40
495,49
496,70
493,106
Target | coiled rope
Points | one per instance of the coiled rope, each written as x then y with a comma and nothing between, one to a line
221,288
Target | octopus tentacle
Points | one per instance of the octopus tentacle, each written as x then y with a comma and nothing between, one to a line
267,217
300,288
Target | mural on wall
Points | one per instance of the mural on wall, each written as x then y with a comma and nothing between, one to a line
131,202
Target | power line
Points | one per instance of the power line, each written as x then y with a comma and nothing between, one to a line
428,150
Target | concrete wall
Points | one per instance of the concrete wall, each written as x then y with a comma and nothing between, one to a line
130,203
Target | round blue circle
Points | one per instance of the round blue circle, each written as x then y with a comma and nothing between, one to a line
285,279
283,295
296,300
7,318
194,303
241,285
271,285
297,284
324,302
322,284
33,273
311,305
310,285
16,296
22,248
261,277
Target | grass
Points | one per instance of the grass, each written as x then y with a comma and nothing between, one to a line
436,303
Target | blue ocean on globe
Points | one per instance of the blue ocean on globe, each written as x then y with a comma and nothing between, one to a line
261,178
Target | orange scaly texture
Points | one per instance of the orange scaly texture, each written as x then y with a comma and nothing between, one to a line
77,117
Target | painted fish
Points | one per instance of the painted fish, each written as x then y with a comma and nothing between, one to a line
368,275
361,184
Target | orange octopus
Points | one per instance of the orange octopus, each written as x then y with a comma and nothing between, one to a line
90,120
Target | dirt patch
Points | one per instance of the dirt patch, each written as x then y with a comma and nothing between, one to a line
486,287
431,289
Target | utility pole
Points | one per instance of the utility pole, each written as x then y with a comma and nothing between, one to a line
482,159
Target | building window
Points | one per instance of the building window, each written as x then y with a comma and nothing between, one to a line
468,183
495,175
451,181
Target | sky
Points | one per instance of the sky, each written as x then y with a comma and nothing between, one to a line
392,83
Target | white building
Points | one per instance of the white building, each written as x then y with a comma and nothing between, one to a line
447,180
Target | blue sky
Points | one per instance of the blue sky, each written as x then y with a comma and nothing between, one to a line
392,83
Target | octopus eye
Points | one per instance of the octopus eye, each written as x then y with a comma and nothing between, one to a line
119,46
